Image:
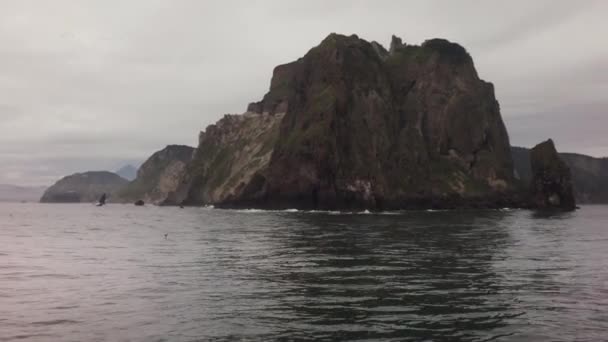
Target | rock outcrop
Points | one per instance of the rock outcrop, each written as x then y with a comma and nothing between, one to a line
551,185
352,125
158,176
589,174
84,187
230,154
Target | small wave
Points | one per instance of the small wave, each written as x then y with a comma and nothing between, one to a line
391,213
326,212
330,212
253,211
268,211
364,212
65,307
56,322
25,337
52,275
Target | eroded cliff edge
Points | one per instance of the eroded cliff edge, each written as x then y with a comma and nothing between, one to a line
353,125
158,176
232,154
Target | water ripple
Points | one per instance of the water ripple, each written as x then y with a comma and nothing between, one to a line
79,273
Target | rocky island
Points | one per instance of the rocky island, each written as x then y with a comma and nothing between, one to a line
352,126
551,179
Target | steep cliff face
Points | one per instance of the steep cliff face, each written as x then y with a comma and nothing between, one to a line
551,179
84,187
367,128
352,125
159,175
589,174
230,153
281,86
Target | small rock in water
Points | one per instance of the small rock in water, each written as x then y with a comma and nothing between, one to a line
139,203
551,179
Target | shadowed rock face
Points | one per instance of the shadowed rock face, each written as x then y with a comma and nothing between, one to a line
367,128
551,179
84,187
159,175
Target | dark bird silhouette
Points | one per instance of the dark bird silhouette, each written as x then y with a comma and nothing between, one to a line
102,200
166,236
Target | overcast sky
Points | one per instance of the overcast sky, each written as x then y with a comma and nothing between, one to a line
91,85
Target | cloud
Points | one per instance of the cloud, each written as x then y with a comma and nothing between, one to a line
93,84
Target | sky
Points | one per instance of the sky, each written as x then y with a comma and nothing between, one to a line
93,85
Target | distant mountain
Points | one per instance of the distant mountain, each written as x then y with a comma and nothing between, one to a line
15,193
128,172
589,174
84,187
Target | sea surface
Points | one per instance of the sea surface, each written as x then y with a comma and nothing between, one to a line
76,272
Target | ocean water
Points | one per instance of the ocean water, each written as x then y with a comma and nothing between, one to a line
84,273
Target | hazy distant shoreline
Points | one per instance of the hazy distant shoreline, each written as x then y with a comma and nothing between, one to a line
16,193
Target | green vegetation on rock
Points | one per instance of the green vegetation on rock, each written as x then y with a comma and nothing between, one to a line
354,125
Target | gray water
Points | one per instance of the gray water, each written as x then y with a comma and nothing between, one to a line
83,273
